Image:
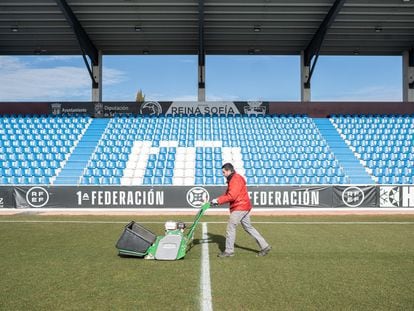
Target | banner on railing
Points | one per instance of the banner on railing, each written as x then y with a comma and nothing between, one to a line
109,109
354,196
163,197
6,197
68,108
182,108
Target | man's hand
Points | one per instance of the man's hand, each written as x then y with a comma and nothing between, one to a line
214,202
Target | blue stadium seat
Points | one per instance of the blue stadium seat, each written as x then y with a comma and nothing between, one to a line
209,181
266,143
147,181
219,180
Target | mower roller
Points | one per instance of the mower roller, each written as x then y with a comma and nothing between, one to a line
138,241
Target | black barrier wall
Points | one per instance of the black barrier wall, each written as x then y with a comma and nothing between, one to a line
353,196
110,109
6,197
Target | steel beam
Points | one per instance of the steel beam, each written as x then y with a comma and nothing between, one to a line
314,46
85,42
87,47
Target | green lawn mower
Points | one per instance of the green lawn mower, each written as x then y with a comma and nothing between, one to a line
138,241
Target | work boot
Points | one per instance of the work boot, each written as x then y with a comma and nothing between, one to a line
264,251
225,254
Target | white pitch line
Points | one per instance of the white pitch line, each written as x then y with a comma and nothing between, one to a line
325,222
205,283
221,222
76,222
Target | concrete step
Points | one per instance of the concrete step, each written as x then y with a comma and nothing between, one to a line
352,167
79,158
67,181
71,173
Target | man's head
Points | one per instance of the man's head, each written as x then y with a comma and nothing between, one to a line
227,169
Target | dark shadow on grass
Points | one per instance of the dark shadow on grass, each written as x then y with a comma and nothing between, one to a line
129,256
221,242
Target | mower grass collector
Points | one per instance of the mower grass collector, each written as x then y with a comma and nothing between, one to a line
138,241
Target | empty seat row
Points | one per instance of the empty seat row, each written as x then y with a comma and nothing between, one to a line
384,144
180,150
23,180
34,149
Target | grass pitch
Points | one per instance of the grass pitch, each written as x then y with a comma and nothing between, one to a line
313,266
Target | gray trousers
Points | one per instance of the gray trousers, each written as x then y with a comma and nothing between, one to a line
242,217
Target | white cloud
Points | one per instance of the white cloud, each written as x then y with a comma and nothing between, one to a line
185,98
113,94
192,98
8,63
170,97
370,93
224,97
58,58
112,76
156,96
20,82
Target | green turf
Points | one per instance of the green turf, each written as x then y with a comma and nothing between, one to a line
317,267
74,266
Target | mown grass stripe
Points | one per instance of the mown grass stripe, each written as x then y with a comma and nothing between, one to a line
77,221
325,222
222,222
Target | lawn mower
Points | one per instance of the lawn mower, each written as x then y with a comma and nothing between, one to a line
138,241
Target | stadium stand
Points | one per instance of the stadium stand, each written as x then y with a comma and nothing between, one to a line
383,144
190,149
187,150
34,149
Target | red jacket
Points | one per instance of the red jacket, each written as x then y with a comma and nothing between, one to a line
236,194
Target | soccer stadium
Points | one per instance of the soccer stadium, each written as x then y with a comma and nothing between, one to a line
115,205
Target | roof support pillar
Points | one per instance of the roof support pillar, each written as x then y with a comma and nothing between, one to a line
201,54
408,76
97,79
201,83
305,89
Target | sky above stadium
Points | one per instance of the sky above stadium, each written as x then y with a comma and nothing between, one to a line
228,78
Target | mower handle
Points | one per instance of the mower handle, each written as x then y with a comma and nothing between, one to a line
200,213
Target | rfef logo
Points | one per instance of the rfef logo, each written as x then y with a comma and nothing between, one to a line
197,196
390,196
353,196
37,197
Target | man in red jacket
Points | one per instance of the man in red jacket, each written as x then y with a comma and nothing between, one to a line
240,207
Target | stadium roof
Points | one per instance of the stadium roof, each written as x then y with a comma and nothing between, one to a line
226,27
